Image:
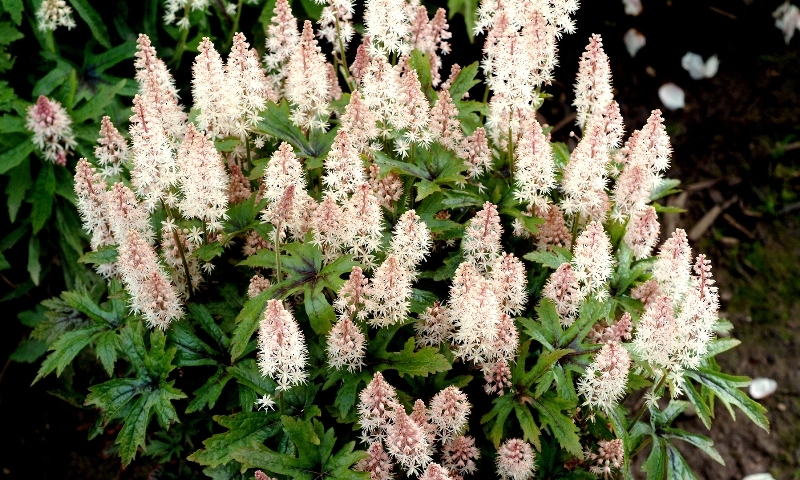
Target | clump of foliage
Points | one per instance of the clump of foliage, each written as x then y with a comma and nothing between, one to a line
361,272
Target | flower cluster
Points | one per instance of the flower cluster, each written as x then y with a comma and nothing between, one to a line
52,129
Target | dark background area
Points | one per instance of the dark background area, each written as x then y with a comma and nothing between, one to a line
735,146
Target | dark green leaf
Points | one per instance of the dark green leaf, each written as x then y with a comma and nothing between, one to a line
562,427
19,181
191,350
28,351
700,406
14,8
726,387
106,347
206,321
464,81
548,259
93,19
665,187
97,105
406,168
42,197
420,363
543,363
703,443
66,348
320,313
426,188
275,121
208,394
14,156
104,255
34,266
247,322
530,430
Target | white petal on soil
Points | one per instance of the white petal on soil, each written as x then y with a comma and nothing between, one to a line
672,96
697,68
759,476
693,63
762,388
634,41
712,65
633,7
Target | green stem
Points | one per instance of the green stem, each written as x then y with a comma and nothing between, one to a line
281,403
176,57
278,252
511,153
236,19
485,98
348,78
639,414
575,222
247,147
179,245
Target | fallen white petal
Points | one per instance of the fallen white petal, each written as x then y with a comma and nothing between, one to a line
633,7
634,41
712,66
762,388
672,96
693,63
759,476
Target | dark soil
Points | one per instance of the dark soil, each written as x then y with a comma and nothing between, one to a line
735,140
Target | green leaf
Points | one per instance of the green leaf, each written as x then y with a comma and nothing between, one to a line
200,313
14,8
548,259
106,347
14,156
426,188
665,187
425,361
97,105
467,9
247,322
84,304
104,255
656,464
530,430
66,348
422,65
719,345
206,253
19,181
191,350
700,406
543,363
42,197
93,19
562,427
726,387
34,266
677,468
259,456
155,394
496,418
275,121
208,394
703,443
28,351
464,81
389,163
421,299
320,313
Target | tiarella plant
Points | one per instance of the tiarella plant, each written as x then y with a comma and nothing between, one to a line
363,273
